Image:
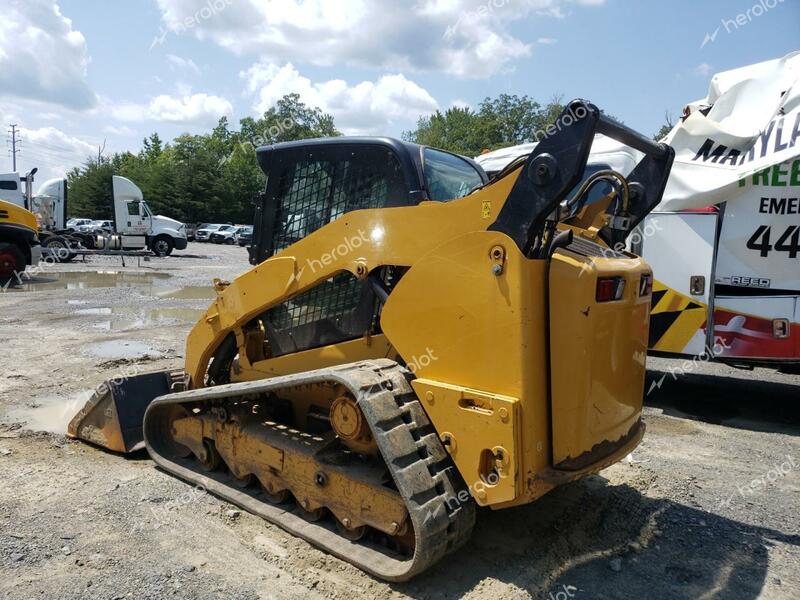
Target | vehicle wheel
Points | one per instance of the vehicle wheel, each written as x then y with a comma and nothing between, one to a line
229,241
12,261
162,246
60,248
87,240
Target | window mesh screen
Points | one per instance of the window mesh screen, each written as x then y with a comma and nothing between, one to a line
313,192
329,300
316,192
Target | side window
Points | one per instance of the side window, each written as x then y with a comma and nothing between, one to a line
315,192
8,185
133,209
448,176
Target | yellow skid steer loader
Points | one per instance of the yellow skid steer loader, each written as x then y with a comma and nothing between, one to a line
412,341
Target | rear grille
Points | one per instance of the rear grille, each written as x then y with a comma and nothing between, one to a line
585,247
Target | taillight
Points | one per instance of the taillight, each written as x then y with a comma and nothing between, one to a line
610,288
646,285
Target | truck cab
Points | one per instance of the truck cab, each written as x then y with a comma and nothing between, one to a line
137,226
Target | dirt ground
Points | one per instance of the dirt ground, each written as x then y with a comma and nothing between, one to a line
706,507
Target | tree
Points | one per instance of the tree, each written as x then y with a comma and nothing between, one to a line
457,130
507,120
90,189
669,123
209,177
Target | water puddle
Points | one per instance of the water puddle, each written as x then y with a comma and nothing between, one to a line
122,349
125,318
51,414
190,292
93,311
86,280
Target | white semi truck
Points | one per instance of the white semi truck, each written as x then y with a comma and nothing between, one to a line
135,226
724,243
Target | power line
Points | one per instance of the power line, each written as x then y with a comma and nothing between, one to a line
51,146
58,153
14,131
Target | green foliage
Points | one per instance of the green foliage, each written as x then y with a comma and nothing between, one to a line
669,123
198,178
507,120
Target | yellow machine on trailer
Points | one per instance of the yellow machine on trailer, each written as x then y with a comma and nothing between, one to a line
408,347
19,240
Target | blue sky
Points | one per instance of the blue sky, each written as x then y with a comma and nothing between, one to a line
75,74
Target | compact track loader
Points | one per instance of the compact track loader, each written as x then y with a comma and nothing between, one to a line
19,241
397,357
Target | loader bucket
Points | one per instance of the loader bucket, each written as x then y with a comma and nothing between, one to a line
112,418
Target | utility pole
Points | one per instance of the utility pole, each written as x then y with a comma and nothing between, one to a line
14,131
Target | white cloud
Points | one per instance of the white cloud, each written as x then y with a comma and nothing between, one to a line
41,56
465,38
702,70
176,63
458,103
546,41
366,107
52,151
198,109
120,130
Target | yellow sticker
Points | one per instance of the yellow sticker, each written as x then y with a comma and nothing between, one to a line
486,209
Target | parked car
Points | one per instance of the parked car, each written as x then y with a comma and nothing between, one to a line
204,233
245,235
102,226
224,235
76,222
190,231
97,226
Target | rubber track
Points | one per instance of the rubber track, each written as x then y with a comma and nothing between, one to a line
423,472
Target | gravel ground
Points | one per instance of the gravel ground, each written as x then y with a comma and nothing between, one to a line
707,506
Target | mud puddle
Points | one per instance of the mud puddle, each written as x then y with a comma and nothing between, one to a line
125,318
86,280
51,414
122,349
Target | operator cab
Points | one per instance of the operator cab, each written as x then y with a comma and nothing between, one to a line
311,183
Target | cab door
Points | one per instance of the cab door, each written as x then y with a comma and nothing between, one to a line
136,220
